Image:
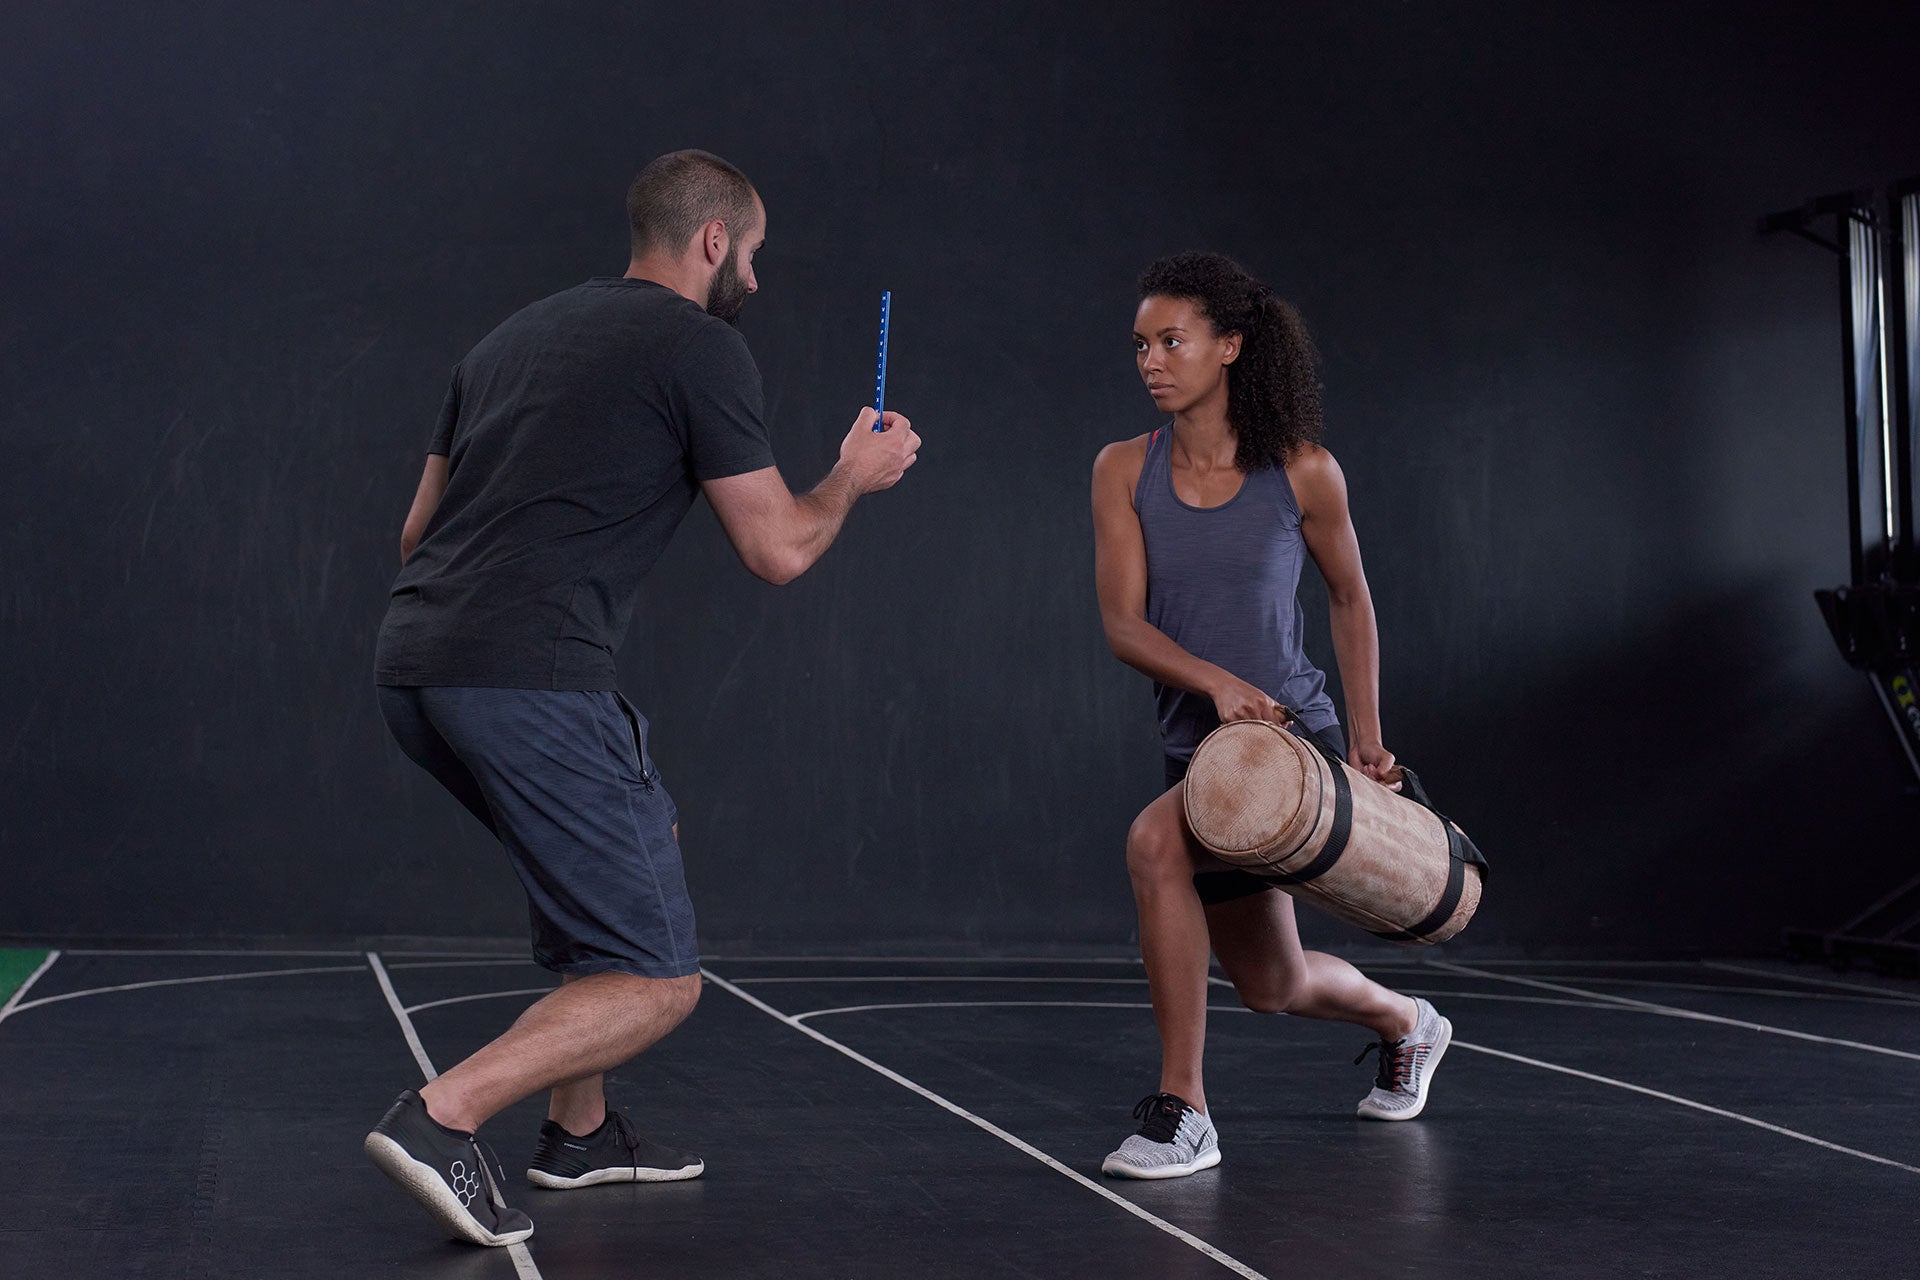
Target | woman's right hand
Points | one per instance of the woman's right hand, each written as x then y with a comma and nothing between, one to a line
1238,700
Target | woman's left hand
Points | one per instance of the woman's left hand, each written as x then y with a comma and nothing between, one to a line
1376,762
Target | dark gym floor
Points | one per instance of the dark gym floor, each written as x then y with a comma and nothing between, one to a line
200,1114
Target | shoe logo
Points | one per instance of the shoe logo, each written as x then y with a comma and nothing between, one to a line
465,1184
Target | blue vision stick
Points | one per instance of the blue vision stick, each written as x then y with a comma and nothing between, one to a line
880,381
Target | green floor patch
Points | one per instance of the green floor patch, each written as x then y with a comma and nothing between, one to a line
15,968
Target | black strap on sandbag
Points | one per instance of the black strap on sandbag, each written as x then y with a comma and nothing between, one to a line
1458,843
1460,851
1336,838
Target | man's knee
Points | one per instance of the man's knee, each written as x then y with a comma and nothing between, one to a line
671,999
687,993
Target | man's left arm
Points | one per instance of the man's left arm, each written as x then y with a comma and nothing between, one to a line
426,500
433,477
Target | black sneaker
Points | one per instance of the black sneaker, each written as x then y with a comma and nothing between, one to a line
444,1170
611,1153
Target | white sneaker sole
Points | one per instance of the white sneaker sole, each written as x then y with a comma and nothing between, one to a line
1120,1169
1368,1112
423,1183
594,1177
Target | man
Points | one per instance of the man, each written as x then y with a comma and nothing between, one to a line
575,438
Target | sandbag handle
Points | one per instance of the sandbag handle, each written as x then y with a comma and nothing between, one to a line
1459,844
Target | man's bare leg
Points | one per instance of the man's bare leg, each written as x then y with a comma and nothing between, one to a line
579,1106
563,1043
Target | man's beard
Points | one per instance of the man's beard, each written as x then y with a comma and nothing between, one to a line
727,294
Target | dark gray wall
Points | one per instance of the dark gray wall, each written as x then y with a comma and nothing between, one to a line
1589,420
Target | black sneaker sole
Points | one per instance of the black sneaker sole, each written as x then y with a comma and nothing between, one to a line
594,1177
423,1182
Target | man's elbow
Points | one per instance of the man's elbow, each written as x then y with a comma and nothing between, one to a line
776,567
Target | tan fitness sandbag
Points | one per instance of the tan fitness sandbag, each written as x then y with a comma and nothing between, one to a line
1266,801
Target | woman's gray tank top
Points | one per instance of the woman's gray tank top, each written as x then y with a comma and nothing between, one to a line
1221,582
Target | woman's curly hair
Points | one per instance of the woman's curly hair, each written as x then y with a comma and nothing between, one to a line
1273,390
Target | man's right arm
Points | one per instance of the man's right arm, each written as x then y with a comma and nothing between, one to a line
779,534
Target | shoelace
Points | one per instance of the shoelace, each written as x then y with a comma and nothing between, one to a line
1399,1060
490,1172
623,1130
1161,1114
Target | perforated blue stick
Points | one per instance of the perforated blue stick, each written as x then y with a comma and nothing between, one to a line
880,381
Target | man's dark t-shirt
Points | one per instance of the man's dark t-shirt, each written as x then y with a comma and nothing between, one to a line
576,434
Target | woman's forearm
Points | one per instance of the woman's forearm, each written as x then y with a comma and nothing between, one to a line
1356,646
1150,651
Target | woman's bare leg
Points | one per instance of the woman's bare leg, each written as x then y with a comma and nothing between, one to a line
1258,943
1173,941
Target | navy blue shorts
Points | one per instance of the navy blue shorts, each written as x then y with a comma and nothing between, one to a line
564,781
1227,886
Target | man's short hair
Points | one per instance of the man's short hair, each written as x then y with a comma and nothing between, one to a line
681,192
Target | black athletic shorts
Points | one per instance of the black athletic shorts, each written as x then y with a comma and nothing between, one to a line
564,779
1226,886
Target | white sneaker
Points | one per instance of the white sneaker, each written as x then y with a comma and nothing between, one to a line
1174,1141
1406,1068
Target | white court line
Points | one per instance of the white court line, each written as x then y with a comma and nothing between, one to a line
1212,1008
979,1004
1591,964
406,1023
523,1267
483,995
1674,1098
1725,988
1687,1102
1445,996
1671,1011
180,982
200,951
1368,963
1722,987
940,977
1132,960
1361,962
461,964
1226,1260
1885,993
13,1001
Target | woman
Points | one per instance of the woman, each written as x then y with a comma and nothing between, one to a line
1199,531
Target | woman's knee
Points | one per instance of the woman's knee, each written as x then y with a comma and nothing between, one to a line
1156,846
1276,992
